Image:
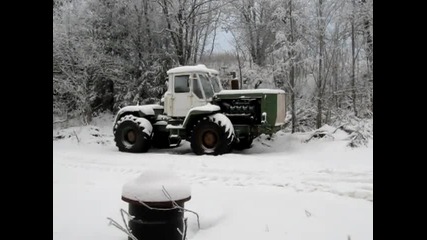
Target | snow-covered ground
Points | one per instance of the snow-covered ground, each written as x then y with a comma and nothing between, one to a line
279,189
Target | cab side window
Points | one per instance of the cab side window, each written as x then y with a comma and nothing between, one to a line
182,84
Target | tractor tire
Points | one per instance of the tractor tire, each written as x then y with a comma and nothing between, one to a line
132,134
212,135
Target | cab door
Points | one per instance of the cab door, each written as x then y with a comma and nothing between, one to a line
197,95
181,97
188,93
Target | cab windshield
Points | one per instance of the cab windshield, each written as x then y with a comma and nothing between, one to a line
207,86
215,83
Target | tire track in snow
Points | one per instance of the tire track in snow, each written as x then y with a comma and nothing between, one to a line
261,170
357,185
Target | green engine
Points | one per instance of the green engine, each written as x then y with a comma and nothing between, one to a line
253,112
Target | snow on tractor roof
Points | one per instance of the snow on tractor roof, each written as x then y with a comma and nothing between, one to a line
249,91
187,69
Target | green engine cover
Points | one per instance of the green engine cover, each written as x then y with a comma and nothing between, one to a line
273,105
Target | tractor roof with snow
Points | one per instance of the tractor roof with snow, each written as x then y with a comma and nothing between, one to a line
190,69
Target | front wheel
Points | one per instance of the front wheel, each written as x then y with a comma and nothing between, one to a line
212,135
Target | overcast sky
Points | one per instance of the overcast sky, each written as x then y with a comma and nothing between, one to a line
223,42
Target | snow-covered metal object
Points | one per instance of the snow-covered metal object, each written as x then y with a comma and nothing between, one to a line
149,187
251,91
156,203
144,110
223,120
186,69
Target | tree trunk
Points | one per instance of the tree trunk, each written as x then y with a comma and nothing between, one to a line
294,116
213,40
319,111
319,77
175,38
353,59
205,35
368,36
147,28
196,47
292,73
189,44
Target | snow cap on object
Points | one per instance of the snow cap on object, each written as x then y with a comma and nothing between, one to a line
148,187
187,69
327,128
207,107
225,121
337,133
148,128
146,109
253,91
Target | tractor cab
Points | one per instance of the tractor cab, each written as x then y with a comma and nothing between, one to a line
188,87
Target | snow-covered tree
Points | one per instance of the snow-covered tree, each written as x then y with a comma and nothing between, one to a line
112,53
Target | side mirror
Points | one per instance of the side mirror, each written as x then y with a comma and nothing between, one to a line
263,118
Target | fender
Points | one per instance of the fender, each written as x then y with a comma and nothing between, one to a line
194,112
140,111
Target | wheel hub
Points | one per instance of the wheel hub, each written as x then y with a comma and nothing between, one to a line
209,139
131,137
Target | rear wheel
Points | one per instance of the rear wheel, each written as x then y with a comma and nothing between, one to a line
212,135
132,134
